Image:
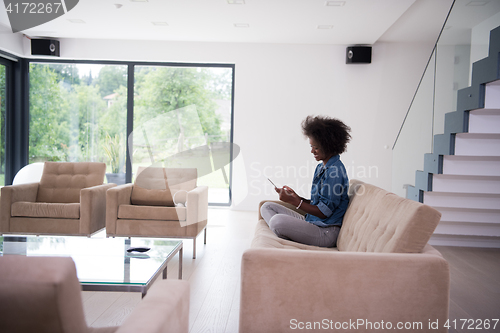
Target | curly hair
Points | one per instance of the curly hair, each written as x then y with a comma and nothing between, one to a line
331,134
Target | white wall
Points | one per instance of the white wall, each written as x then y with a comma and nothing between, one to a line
480,38
277,86
9,42
415,138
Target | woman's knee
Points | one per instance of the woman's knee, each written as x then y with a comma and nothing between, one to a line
277,223
266,212
265,206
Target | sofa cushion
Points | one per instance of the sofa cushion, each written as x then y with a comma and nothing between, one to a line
61,182
151,197
156,186
133,212
380,221
154,177
151,188
46,210
182,178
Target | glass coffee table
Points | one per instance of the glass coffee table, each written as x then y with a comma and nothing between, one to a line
103,264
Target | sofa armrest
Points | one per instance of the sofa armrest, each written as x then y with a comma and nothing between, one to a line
282,288
93,208
116,196
11,194
287,205
197,205
164,309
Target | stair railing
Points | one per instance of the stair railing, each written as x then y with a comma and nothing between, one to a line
463,40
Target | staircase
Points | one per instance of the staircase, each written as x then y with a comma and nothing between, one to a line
461,178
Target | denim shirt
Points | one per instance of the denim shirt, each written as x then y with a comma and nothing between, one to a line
329,192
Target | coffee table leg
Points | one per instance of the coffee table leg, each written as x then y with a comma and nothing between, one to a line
164,274
180,264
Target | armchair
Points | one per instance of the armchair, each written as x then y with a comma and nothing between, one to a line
163,202
43,294
69,200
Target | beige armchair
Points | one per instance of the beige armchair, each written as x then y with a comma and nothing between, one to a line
163,202
43,295
70,199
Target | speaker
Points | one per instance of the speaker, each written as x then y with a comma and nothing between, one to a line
48,47
358,55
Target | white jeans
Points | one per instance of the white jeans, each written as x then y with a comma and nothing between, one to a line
288,224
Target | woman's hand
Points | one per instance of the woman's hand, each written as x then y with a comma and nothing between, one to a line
288,195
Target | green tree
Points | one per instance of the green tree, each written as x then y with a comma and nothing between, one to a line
114,123
86,109
70,120
67,73
167,89
111,78
220,83
49,129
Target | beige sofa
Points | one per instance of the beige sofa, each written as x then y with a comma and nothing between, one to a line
70,199
383,273
146,208
43,295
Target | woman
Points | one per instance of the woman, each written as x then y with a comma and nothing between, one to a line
325,210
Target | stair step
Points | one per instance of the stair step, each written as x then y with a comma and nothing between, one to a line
464,200
466,228
484,121
466,178
471,165
470,98
469,214
477,144
492,95
444,144
465,241
466,184
485,70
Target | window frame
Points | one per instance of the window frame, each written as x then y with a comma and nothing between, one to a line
18,130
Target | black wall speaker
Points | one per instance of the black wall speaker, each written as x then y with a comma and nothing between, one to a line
48,47
358,55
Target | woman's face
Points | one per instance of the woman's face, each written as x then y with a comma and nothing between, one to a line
317,152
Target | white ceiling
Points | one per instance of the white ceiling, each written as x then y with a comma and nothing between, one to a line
269,21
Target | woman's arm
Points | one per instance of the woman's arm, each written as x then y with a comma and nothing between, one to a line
288,195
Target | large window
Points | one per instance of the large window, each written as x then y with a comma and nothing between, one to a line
181,116
78,112
182,119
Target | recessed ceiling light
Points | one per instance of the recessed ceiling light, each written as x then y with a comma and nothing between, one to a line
160,23
76,21
242,25
335,3
325,26
477,3
236,2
